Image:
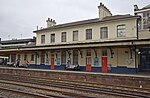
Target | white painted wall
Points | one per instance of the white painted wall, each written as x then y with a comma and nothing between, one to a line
112,32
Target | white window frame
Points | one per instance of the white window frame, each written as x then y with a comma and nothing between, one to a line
63,57
53,38
104,32
88,34
121,30
146,16
63,36
75,35
32,57
42,39
42,57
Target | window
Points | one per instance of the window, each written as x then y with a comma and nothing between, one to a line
58,58
104,32
121,30
146,17
88,52
63,57
32,57
13,57
42,57
75,57
88,34
63,37
104,52
52,38
75,35
18,56
42,39
25,56
88,57
139,25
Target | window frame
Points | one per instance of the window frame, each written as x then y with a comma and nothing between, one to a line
103,32
104,52
19,56
63,36
25,56
88,52
63,57
42,39
75,57
88,34
32,57
122,29
146,16
43,57
52,40
13,57
75,35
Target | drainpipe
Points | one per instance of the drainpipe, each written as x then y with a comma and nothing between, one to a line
137,28
137,32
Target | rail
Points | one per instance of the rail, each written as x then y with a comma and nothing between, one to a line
83,87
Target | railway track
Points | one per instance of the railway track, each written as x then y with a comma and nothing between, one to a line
44,90
22,93
82,87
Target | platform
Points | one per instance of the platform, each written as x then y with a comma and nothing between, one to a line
126,80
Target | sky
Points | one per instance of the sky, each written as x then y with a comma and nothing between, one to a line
19,18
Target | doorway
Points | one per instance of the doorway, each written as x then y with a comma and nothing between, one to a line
144,60
52,61
88,60
104,60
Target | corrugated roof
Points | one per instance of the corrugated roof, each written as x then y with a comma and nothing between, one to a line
95,20
17,41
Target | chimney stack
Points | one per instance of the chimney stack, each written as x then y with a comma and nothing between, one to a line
103,11
135,8
50,22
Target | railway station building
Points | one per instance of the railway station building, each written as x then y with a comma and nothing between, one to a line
109,43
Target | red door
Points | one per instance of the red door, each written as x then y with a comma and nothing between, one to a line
52,61
88,63
104,64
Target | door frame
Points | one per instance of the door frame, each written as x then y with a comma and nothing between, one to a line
104,64
52,61
88,66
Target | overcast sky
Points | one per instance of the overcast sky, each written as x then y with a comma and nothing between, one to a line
19,18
